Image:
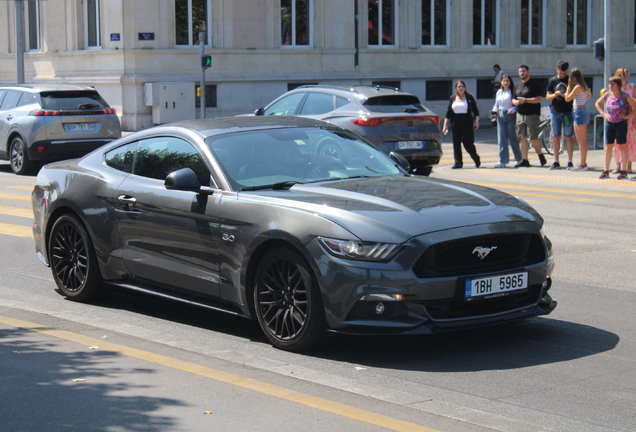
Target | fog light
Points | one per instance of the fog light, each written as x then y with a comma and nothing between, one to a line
379,308
40,149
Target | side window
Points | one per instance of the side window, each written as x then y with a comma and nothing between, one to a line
340,101
2,93
121,158
286,106
10,100
27,99
317,103
158,157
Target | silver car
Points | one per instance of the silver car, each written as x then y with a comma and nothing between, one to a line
391,119
48,122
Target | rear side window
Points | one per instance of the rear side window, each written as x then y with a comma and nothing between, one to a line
317,103
393,103
340,101
27,99
286,106
2,93
121,158
10,100
72,100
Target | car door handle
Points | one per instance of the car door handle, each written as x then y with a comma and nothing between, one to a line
9,117
127,200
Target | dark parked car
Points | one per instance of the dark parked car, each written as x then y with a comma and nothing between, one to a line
393,120
49,122
248,216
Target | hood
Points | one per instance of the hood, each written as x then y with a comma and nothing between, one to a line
395,209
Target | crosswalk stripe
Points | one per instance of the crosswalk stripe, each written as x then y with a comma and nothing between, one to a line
22,187
16,230
15,211
15,197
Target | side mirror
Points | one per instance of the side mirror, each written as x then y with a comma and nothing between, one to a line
259,112
184,179
400,160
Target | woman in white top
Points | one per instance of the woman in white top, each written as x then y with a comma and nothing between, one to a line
505,112
463,116
580,93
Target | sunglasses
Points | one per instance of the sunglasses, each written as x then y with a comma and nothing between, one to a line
625,74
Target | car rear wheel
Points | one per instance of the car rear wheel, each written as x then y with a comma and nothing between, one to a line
287,301
74,261
20,163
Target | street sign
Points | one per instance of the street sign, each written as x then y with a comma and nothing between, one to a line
206,61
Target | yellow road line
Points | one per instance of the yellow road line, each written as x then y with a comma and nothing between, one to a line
15,197
553,190
548,196
343,410
15,211
575,177
16,230
22,187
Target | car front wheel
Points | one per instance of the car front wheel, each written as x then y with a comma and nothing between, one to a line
20,163
287,301
73,260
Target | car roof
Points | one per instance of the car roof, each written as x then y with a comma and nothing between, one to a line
366,91
37,88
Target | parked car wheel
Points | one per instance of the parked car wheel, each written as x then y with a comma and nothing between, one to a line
287,301
73,260
424,170
329,147
20,163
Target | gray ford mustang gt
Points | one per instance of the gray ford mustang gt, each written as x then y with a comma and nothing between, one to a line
251,216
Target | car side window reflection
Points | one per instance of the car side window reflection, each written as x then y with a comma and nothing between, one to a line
286,106
121,158
157,157
10,100
317,103
27,99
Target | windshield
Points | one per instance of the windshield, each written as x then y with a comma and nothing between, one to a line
285,156
72,100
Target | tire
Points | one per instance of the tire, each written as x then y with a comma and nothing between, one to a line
330,147
74,261
20,163
287,301
546,139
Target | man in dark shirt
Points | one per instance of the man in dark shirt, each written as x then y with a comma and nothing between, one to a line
527,98
561,113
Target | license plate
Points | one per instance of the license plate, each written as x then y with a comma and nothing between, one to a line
410,144
79,127
496,286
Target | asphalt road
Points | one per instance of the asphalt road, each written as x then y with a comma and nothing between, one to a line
160,366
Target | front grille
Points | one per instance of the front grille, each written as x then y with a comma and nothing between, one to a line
459,308
461,257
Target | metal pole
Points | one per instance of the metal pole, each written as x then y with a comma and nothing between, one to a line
19,41
608,45
202,50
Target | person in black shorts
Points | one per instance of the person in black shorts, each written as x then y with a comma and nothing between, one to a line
527,98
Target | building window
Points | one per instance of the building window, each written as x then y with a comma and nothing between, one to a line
577,22
532,22
210,96
485,89
382,22
293,86
92,33
191,18
438,90
434,22
32,25
295,16
484,22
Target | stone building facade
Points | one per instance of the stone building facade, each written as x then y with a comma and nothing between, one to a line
262,48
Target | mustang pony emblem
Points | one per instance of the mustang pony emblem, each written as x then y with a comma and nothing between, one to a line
483,251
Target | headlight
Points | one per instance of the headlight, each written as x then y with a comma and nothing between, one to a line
365,251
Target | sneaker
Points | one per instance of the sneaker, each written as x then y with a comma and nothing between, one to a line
580,167
523,163
570,166
500,165
542,159
555,165
456,166
604,175
622,175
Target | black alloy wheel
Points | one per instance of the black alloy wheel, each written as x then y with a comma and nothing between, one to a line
20,163
73,260
287,301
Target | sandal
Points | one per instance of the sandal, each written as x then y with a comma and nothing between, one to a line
604,175
622,175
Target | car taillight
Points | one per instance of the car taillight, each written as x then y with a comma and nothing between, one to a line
109,111
43,112
377,121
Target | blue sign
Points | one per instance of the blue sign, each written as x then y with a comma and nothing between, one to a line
146,36
115,37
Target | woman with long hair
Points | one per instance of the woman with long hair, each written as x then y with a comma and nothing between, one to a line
506,114
630,89
580,93
463,116
617,113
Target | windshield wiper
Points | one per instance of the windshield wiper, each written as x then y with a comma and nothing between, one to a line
274,186
88,106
